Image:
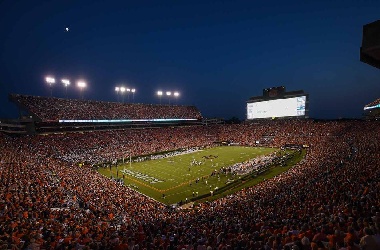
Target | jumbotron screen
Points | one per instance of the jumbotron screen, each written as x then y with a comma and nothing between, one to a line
288,107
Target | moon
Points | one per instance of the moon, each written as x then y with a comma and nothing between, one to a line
67,29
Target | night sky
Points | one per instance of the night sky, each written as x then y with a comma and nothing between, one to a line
217,54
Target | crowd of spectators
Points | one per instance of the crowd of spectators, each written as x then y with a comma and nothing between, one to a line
374,103
330,200
107,146
55,109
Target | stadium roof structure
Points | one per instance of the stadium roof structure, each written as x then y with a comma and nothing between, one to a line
370,49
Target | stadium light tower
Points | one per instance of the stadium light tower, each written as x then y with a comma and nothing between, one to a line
159,93
176,95
50,80
81,85
117,89
66,82
128,91
168,94
122,90
133,94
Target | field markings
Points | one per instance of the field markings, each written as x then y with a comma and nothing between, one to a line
144,184
176,175
184,183
160,190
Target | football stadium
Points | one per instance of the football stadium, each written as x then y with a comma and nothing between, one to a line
178,182
89,174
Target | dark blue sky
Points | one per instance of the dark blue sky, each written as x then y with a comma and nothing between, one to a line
216,53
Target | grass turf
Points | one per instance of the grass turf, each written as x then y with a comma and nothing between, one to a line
171,180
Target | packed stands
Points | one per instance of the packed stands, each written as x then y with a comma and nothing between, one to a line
375,103
372,110
330,200
50,109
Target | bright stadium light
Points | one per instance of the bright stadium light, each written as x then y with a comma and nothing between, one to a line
176,95
50,80
133,94
117,90
81,85
159,93
66,82
122,90
168,94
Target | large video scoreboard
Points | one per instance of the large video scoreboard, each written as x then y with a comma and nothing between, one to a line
276,103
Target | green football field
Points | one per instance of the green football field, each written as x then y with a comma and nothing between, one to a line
174,179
